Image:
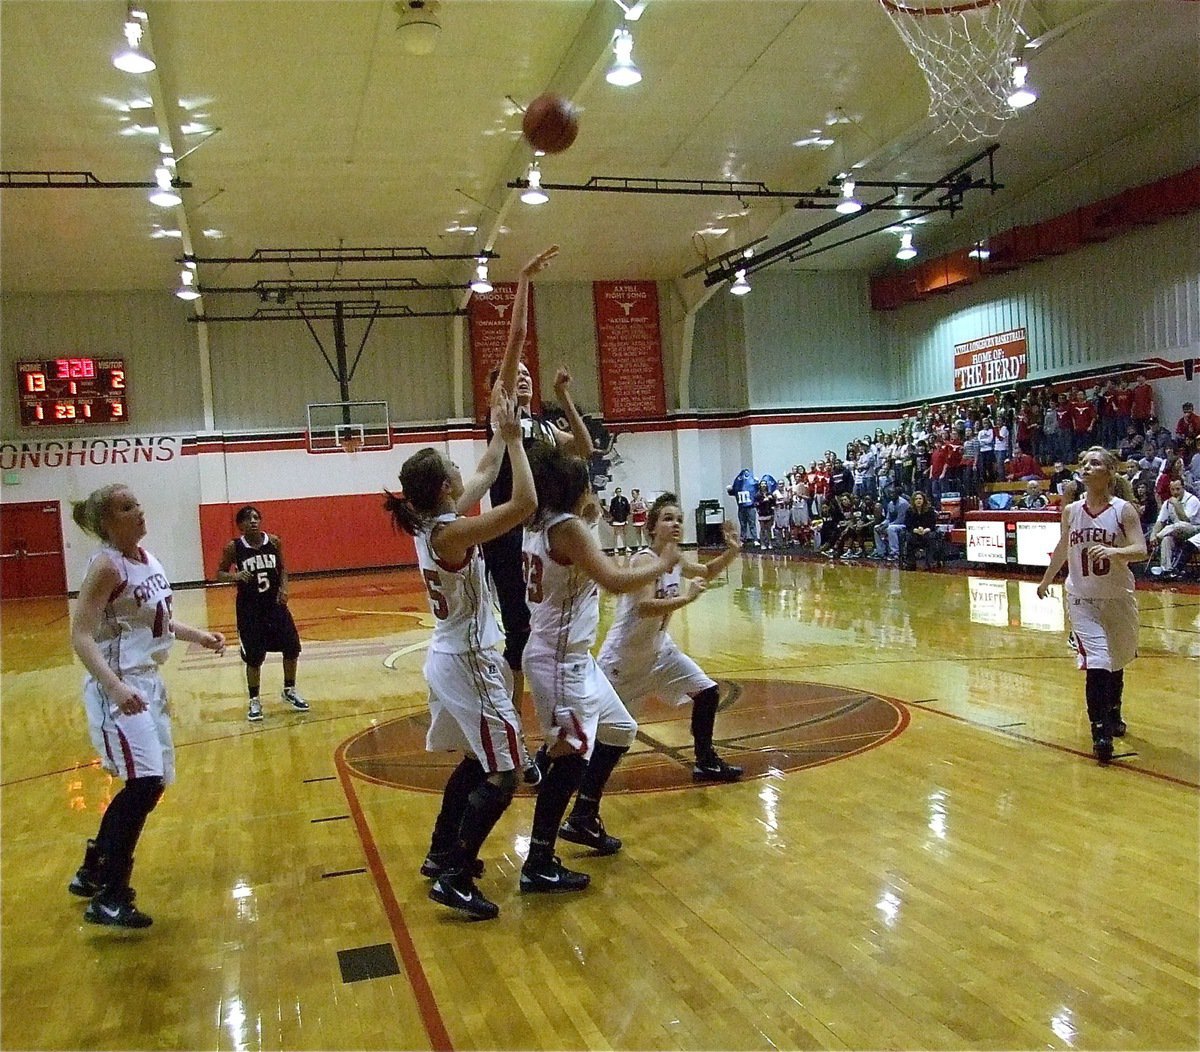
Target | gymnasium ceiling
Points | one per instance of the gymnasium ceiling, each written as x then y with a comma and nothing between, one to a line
308,124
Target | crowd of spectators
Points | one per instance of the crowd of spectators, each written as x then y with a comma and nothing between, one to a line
882,498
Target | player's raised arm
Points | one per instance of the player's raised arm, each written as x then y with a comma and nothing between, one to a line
518,322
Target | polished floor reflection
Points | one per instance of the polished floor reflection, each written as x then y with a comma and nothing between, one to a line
925,855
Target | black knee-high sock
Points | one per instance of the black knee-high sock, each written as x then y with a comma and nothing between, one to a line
704,716
1116,692
122,826
485,805
599,769
459,786
1097,691
558,785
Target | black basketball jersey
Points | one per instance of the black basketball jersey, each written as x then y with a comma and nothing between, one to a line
261,592
534,429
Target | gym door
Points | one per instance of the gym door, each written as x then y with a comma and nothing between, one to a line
31,550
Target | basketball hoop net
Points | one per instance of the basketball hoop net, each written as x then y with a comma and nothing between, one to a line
965,50
351,444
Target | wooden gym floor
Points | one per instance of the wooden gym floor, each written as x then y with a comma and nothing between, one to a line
928,857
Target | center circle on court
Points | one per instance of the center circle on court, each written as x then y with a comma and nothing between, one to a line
764,726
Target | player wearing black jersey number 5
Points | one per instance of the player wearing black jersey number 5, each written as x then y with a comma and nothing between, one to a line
254,561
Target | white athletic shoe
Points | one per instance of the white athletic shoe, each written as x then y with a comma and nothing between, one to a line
290,696
254,713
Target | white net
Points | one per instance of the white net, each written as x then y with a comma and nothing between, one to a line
348,427
965,50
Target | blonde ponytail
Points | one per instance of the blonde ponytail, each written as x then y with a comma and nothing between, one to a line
89,514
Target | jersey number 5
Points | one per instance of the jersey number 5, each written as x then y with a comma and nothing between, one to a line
533,577
433,585
264,580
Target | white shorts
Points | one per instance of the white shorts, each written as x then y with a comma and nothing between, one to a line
575,702
137,746
471,709
783,518
1106,631
670,675
800,513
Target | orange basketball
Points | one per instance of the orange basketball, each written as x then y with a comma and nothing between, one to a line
551,123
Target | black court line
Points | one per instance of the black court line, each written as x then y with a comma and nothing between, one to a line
342,873
323,778
920,701
331,818
1002,726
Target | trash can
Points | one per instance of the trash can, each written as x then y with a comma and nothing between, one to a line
709,517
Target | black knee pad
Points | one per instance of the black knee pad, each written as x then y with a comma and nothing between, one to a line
490,799
145,792
708,696
514,647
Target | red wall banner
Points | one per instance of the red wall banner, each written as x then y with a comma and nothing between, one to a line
630,349
489,316
1002,358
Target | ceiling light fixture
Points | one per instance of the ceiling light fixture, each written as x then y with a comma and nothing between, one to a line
480,283
1022,95
815,138
165,196
849,204
979,252
133,59
906,250
534,194
418,26
623,73
740,285
187,285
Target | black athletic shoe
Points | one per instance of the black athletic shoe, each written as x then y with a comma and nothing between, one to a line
435,865
590,832
1103,748
551,875
533,774
116,909
458,891
713,769
1119,729
88,877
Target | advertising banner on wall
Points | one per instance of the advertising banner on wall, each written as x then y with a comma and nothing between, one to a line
1002,358
489,315
630,349
985,542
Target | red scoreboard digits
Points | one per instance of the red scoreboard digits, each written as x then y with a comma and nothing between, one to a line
65,391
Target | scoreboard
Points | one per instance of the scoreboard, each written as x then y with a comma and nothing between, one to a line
64,391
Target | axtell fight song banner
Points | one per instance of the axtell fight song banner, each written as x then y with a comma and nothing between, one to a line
630,349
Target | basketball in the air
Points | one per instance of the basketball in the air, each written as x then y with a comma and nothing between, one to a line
551,123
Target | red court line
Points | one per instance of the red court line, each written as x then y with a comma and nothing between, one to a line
431,1017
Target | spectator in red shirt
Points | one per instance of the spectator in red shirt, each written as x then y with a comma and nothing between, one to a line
1143,403
1083,424
1023,467
937,470
1189,424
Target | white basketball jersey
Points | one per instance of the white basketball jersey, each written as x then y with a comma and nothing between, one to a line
632,635
135,633
1092,578
564,603
459,597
